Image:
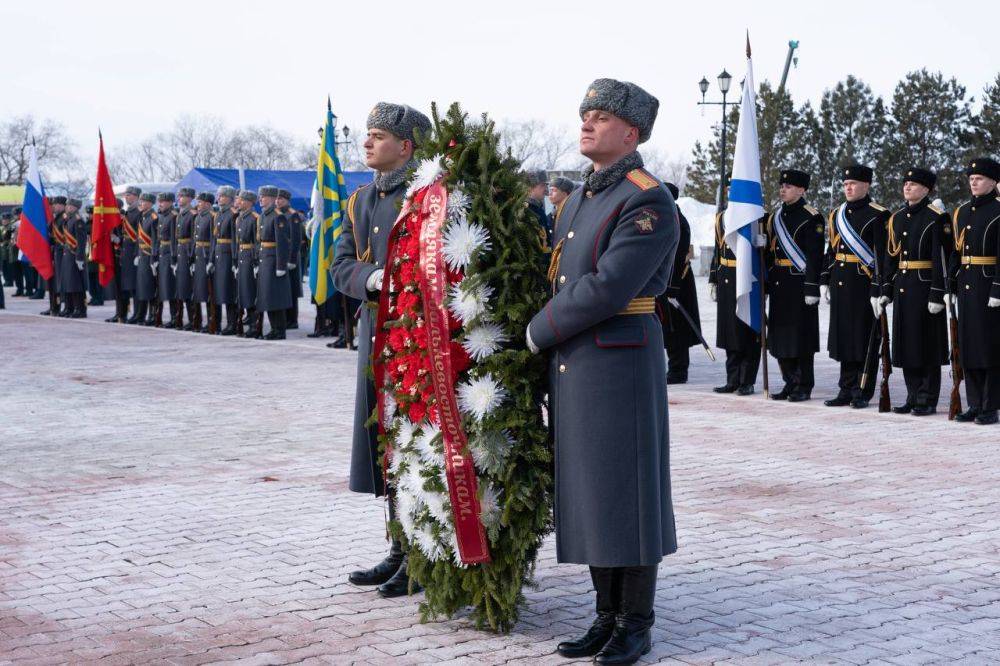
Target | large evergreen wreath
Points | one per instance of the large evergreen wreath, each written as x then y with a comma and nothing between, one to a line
496,282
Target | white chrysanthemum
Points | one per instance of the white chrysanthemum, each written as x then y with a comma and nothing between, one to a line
411,480
456,558
461,241
423,444
404,431
442,473
483,340
468,304
395,461
427,173
429,545
479,397
489,505
489,450
406,507
439,505
458,203
389,408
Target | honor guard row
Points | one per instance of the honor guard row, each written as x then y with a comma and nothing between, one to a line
937,270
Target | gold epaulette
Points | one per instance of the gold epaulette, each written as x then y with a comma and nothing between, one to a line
811,210
641,179
935,209
878,207
351,202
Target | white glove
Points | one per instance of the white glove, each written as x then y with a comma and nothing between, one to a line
374,282
993,303
135,262
79,264
812,300
947,300
191,268
713,292
256,269
116,239
760,240
878,305
153,266
210,268
291,267
935,308
279,272
235,271
173,267
532,347
825,292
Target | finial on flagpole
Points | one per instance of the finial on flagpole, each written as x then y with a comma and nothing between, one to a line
329,106
748,43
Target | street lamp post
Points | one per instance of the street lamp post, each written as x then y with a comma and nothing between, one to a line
725,79
345,130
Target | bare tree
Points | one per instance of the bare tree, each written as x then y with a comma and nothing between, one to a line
539,145
55,149
670,168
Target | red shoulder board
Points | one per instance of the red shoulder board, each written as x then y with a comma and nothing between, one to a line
641,179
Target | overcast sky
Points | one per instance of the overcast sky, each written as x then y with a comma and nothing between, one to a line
132,67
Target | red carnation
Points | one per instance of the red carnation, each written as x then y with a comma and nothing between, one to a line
460,360
417,411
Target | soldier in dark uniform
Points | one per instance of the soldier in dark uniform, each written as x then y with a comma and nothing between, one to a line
913,279
678,335
357,273
853,252
794,260
742,344
559,190
295,233
58,207
145,262
165,259
93,269
74,259
614,247
225,251
128,253
274,296
184,259
201,292
246,260
537,181
976,227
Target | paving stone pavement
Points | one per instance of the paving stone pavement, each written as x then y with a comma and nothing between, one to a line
168,497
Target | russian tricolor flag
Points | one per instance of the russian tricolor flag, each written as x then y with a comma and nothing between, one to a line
36,216
746,206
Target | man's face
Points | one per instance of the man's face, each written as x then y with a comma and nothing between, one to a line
914,192
58,208
855,189
224,201
266,202
130,199
281,202
557,196
790,193
164,206
385,151
71,210
981,185
604,136
203,206
537,191
184,201
244,205
145,205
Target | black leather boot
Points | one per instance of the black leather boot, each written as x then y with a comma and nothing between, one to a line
382,571
607,585
399,584
631,638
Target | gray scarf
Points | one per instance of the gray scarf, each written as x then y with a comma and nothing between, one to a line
595,181
386,181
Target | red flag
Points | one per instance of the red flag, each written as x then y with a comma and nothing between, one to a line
107,218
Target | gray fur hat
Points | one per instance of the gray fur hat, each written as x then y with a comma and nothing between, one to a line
561,183
75,203
399,119
625,100
226,191
267,191
284,194
186,192
207,197
248,195
132,189
147,196
165,196
535,177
